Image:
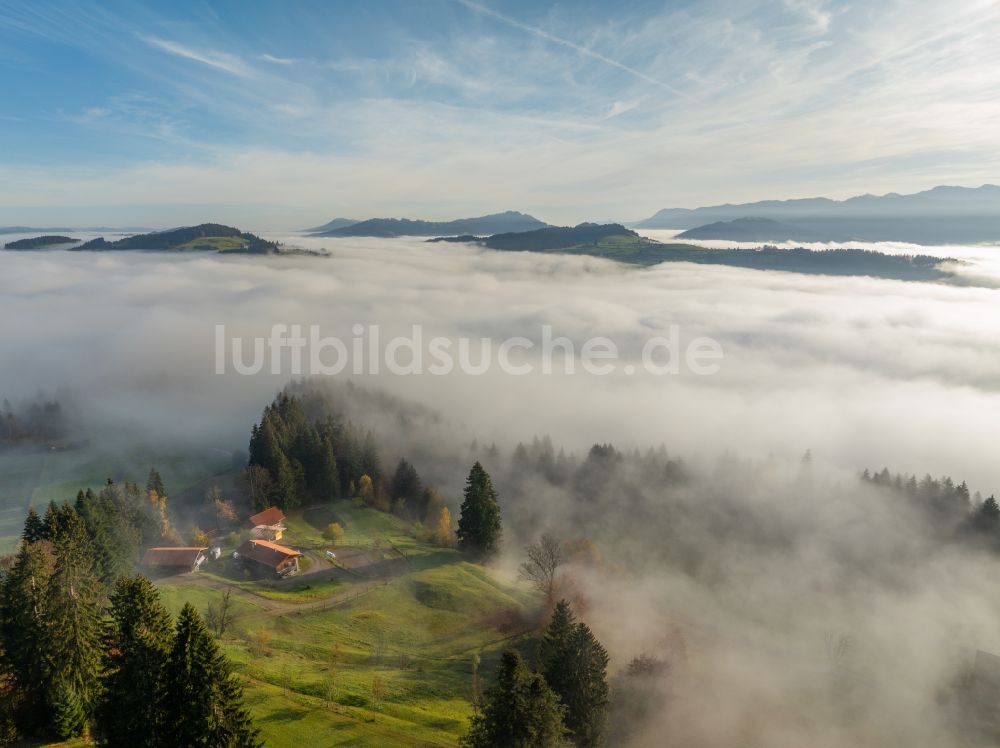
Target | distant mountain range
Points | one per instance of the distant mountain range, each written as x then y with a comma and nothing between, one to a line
51,229
30,229
510,221
935,216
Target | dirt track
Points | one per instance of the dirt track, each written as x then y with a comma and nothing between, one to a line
270,604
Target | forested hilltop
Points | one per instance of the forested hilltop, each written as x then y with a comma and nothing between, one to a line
36,242
204,237
615,242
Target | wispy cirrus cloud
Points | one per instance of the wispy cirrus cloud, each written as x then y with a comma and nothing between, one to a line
579,48
277,60
224,61
560,106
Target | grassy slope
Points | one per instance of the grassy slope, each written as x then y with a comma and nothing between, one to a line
214,243
314,685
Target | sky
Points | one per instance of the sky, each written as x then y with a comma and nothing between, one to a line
285,115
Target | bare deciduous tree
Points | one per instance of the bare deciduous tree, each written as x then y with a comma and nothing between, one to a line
544,559
220,617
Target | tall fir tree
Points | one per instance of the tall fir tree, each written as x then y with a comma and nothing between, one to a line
519,710
328,476
267,451
69,713
50,520
406,488
74,610
202,700
155,483
26,632
479,526
138,640
575,665
34,528
555,639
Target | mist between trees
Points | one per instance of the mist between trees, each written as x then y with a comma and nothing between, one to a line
741,601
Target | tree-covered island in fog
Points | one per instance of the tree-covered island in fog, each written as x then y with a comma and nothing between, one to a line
615,242
211,237
37,242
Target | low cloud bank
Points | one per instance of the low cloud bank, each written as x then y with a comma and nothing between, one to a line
790,603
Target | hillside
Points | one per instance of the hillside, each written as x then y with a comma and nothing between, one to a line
336,223
310,648
751,229
37,242
204,237
939,215
593,236
615,242
510,221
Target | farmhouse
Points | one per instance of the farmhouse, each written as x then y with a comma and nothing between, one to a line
174,559
268,524
265,556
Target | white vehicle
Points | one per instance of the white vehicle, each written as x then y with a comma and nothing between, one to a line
331,554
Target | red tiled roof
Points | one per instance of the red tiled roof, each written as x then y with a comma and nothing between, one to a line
267,553
172,556
270,516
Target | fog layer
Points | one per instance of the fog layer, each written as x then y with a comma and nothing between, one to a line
861,371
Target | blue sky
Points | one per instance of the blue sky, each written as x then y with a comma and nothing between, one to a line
277,115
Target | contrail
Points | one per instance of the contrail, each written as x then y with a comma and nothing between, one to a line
542,34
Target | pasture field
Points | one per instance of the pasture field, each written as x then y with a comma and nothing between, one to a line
383,659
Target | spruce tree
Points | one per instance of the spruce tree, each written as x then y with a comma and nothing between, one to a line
266,450
137,643
555,640
202,700
575,665
50,520
69,714
369,462
406,487
155,483
34,527
479,524
73,603
26,633
328,477
519,710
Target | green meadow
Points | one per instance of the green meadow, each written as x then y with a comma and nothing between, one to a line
362,660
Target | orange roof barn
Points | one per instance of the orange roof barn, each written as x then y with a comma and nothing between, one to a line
271,555
270,516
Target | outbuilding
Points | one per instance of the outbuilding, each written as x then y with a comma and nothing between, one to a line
174,559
